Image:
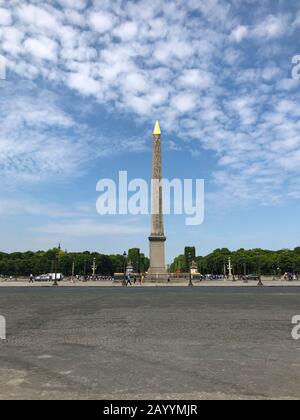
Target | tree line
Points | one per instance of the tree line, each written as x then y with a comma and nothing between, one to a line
42,262
253,261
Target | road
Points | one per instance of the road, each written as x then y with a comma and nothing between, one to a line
134,343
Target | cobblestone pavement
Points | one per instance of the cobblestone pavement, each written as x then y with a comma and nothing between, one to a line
149,342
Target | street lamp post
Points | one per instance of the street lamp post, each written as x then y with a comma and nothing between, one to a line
190,269
278,273
245,273
84,269
260,283
229,267
94,267
233,272
124,269
73,270
55,275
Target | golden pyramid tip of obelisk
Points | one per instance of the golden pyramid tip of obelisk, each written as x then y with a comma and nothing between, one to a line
157,131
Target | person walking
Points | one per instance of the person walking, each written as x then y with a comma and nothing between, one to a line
31,278
128,280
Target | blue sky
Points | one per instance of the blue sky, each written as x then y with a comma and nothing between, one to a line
86,80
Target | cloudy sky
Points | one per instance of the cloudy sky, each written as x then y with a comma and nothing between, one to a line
85,81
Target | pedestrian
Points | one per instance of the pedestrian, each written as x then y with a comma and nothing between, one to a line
31,278
128,280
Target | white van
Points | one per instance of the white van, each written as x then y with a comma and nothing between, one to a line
59,276
49,277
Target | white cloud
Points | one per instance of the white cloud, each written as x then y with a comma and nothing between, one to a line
270,73
135,82
40,140
196,78
165,51
184,102
25,205
271,27
75,17
184,61
126,31
83,84
5,17
82,228
243,106
12,40
239,33
29,150
287,84
158,97
75,4
43,48
101,21
37,17
79,54
286,106
140,105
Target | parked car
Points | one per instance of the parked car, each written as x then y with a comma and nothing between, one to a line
49,277
43,277
252,277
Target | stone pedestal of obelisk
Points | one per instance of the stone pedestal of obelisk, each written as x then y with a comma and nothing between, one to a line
157,238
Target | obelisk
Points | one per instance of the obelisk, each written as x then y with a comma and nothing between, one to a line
157,237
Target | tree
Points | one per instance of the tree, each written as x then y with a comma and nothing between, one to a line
189,255
253,260
117,263
144,263
178,265
134,258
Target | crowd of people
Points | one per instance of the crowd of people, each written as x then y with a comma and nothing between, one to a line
290,276
95,278
131,279
128,280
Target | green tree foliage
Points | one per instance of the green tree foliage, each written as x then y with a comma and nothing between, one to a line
250,261
41,262
244,261
189,255
181,263
134,258
144,263
178,265
139,262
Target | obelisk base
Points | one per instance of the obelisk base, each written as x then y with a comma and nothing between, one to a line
157,256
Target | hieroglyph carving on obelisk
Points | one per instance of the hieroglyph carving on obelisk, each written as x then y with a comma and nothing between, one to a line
157,237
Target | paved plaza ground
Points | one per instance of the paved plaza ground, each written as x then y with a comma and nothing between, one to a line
149,342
